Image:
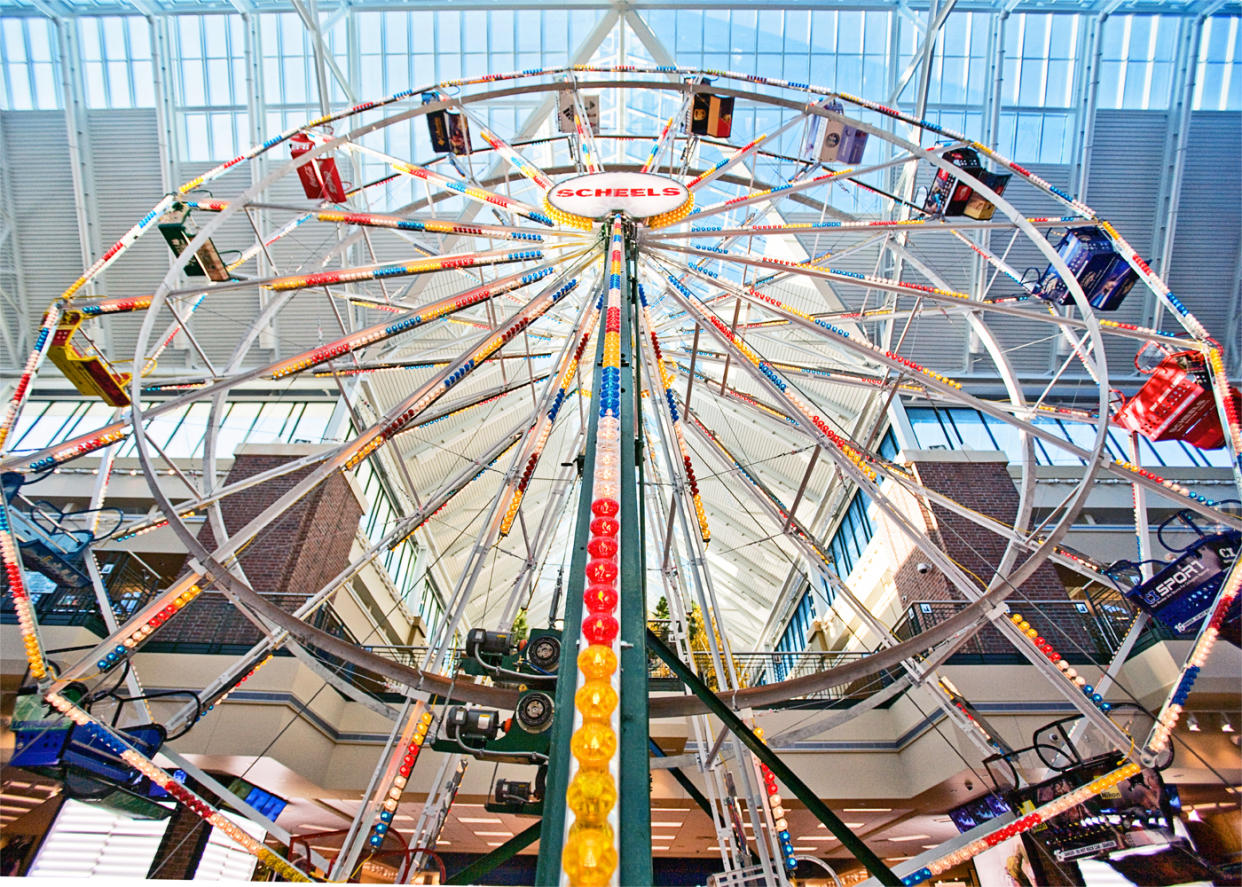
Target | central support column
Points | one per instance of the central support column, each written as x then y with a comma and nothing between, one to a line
635,787
598,799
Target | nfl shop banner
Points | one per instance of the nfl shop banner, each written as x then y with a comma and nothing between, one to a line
636,194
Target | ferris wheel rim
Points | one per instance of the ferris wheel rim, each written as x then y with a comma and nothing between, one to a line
137,415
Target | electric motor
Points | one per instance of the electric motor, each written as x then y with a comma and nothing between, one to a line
534,712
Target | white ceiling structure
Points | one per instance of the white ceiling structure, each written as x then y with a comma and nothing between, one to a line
268,65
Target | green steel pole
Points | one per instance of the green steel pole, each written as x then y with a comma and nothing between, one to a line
548,869
801,790
634,806
502,854
684,781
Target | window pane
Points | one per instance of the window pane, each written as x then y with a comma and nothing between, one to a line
234,428
971,429
448,31
267,427
88,36
500,28
189,436
144,87
139,37
118,84
193,92
928,432
96,95
14,40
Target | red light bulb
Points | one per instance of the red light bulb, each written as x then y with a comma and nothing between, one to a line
605,507
604,526
600,598
602,571
600,628
603,546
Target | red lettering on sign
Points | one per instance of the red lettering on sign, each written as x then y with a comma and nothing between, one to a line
671,192
564,192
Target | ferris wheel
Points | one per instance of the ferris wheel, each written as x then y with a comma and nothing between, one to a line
630,354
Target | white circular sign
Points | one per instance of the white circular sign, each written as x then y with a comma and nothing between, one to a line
637,194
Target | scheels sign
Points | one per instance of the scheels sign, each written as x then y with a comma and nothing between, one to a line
639,195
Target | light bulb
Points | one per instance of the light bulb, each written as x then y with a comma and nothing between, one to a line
594,744
596,700
597,661
591,795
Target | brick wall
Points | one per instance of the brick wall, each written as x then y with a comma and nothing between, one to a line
290,559
181,848
981,482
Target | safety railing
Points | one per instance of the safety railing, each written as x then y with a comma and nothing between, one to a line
130,585
1086,630
1097,625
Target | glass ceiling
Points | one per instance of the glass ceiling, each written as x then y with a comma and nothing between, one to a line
380,52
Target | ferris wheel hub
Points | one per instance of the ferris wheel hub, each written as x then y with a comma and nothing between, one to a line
636,195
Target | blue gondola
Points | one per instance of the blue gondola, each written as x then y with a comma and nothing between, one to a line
84,758
1103,273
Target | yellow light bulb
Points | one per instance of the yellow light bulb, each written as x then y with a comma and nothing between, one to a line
590,856
596,700
597,662
594,744
591,795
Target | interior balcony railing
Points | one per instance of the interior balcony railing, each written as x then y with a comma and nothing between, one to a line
129,583
1086,630
1099,620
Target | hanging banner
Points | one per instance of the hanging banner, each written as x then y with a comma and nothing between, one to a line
565,116
712,115
449,132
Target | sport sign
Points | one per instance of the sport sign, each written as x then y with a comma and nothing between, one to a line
637,194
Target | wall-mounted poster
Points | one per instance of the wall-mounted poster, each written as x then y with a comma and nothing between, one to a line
1006,865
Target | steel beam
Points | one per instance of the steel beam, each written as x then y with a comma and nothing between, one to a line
675,593
682,779
73,91
323,58
548,869
502,854
923,56
634,788
1086,106
125,7
797,500
17,335
1177,134
648,38
801,790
